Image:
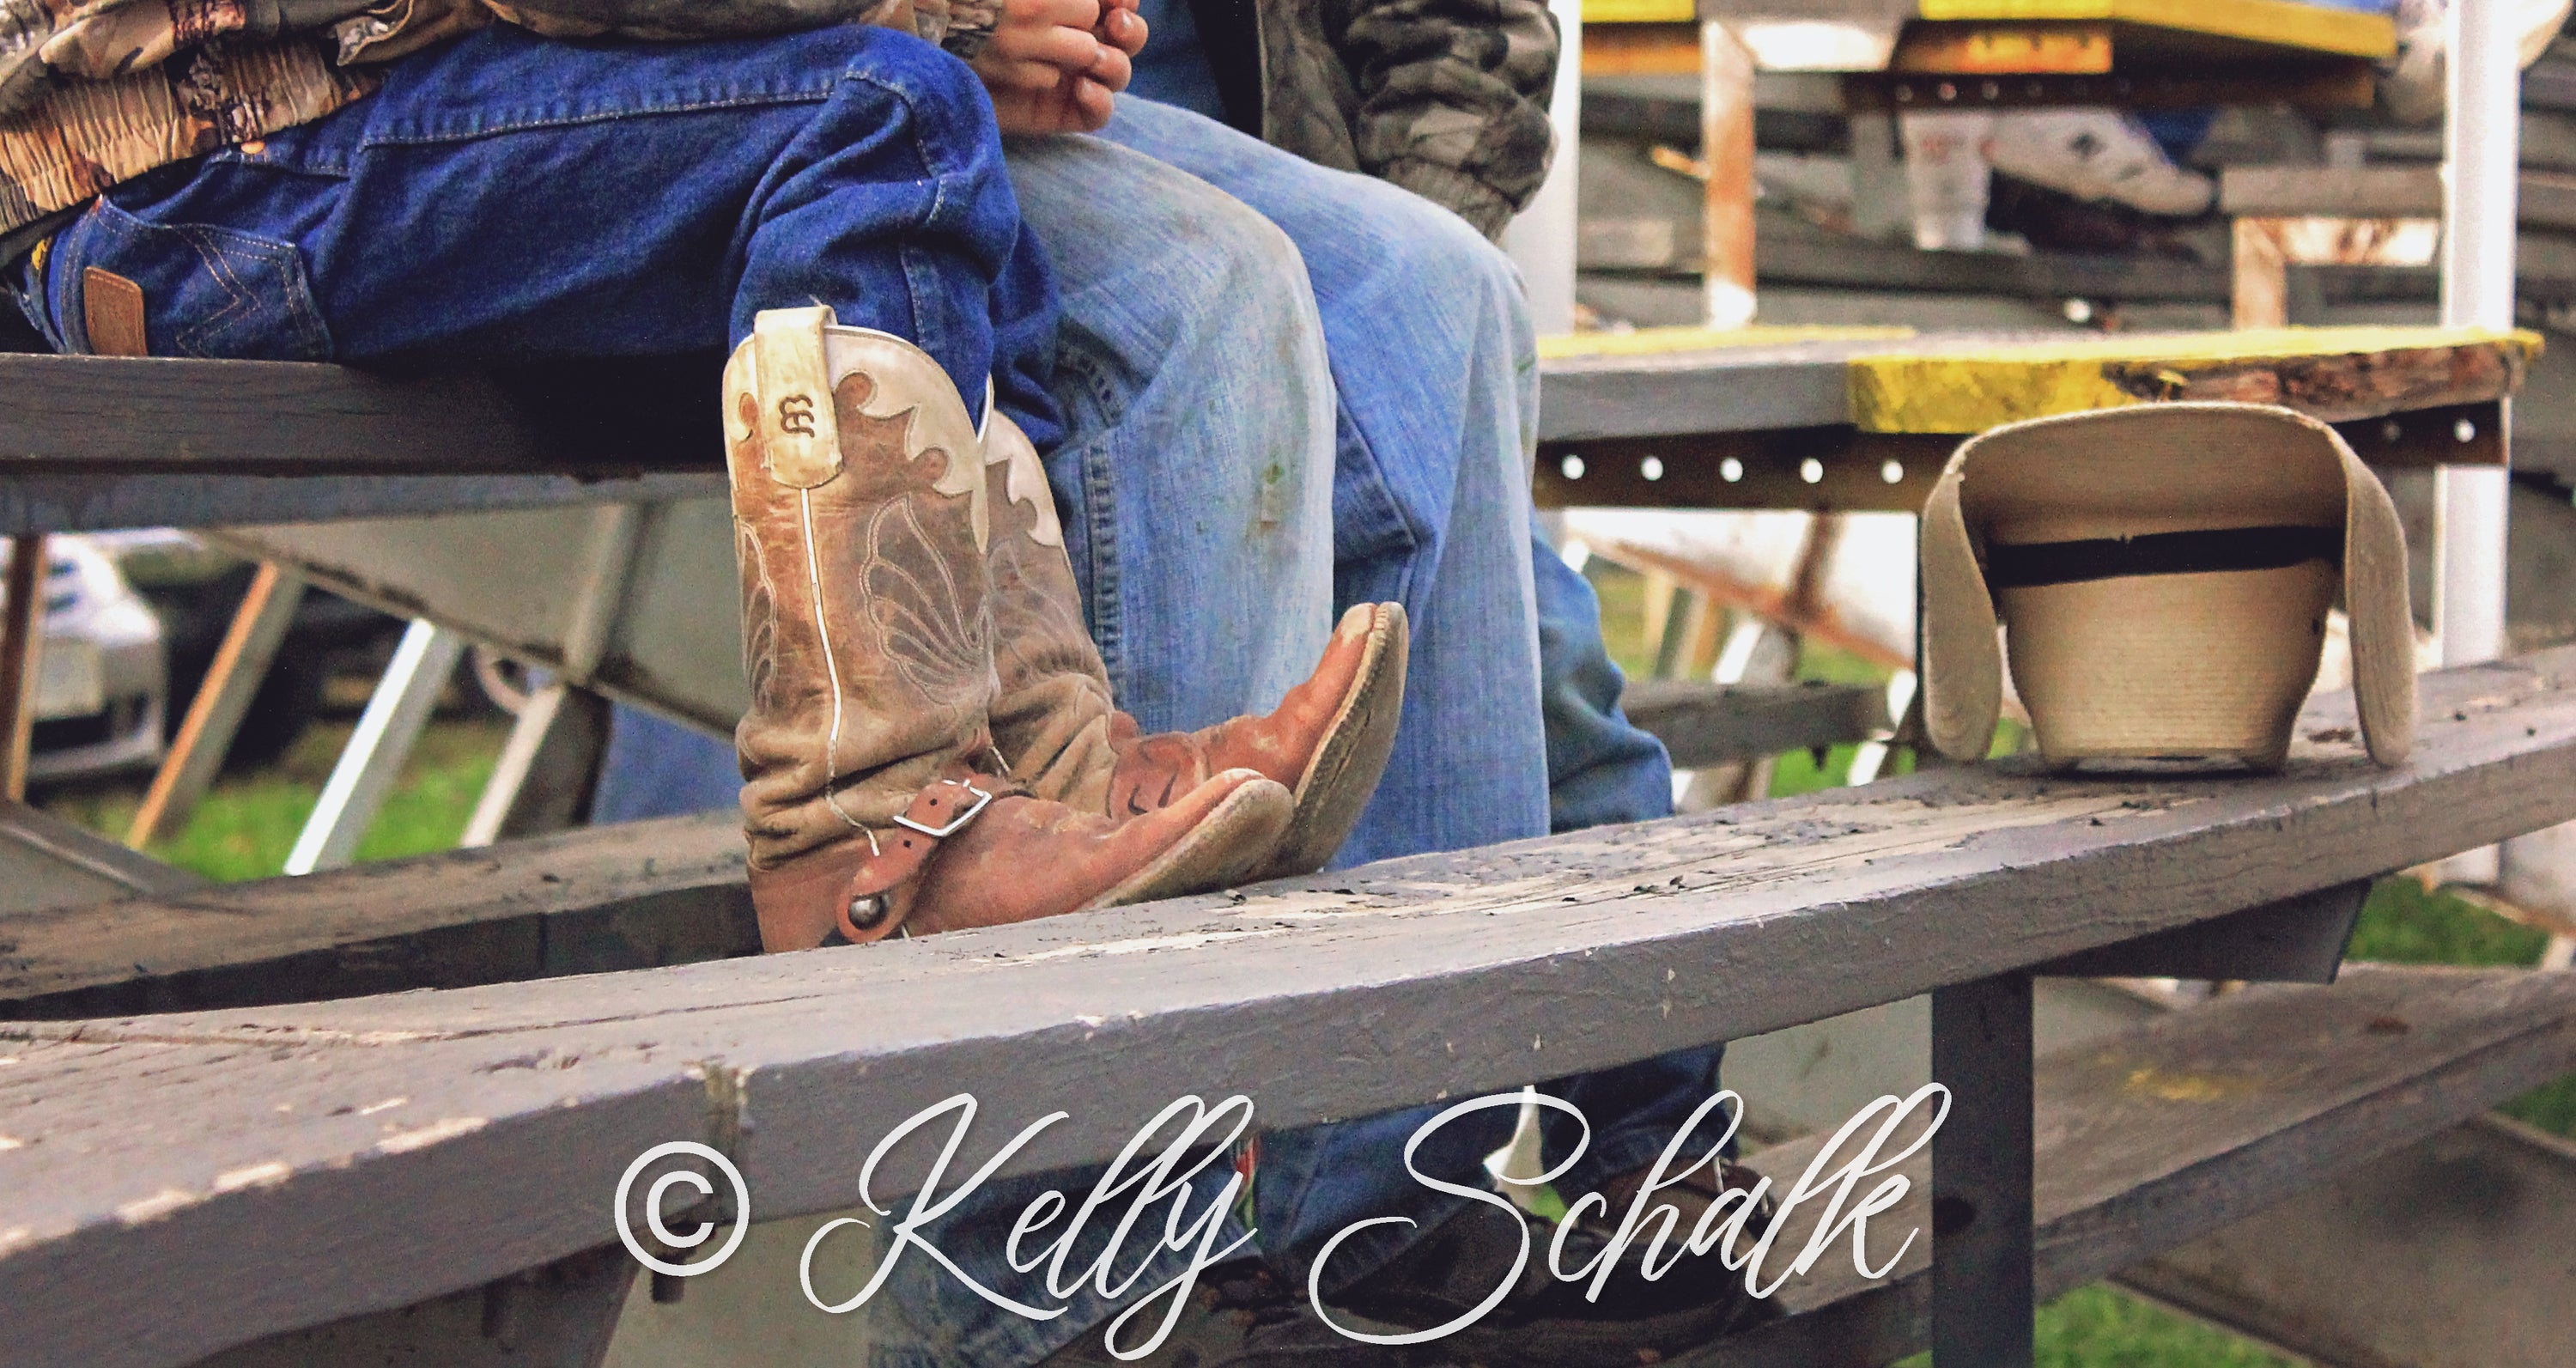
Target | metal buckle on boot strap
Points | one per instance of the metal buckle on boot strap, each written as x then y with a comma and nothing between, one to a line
955,824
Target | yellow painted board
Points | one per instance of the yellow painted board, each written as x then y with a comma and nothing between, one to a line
1950,389
1639,11
2281,23
1669,341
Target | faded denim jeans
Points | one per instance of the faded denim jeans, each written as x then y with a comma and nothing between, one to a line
1433,379
1203,438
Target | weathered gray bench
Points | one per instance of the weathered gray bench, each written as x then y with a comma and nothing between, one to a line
219,1161
160,1170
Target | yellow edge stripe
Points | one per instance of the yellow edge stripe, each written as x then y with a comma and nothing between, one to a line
1639,11
1972,390
2283,23
1666,341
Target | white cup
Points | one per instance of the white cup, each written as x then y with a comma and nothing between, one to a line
1947,176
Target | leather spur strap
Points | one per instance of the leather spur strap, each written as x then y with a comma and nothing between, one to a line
938,812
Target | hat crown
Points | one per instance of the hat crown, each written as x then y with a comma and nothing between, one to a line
2137,628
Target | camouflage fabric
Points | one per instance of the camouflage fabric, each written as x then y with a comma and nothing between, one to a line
97,92
1447,98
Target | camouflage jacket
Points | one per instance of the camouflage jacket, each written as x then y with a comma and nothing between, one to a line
96,92
1447,98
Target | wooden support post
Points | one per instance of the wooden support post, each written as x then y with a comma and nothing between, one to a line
550,765
1984,1287
376,751
2267,246
22,651
2262,276
548,768
1662,592
1726,148
240,666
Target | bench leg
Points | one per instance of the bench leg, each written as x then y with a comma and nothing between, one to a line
1982,1289
22,649
240,666
374,758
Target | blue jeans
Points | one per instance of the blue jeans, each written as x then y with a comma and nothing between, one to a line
1433,371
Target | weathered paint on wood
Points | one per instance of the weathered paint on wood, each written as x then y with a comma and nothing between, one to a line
78,413
207,1159
2161,1134
1688,382
2277,23
2450,1253
672,889
1715,724
46,862
2336,374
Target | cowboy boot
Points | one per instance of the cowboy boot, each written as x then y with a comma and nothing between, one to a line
871,799
1061,735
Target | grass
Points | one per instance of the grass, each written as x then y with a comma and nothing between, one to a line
246,826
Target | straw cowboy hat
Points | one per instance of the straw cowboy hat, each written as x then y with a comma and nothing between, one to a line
2163,575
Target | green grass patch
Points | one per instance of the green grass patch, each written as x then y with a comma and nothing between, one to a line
247,824
2096,1327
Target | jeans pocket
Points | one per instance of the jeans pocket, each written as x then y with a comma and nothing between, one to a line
208,292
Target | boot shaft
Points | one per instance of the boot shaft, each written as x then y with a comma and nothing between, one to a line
861,524
1053,715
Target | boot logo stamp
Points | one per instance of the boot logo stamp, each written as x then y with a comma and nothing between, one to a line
796,415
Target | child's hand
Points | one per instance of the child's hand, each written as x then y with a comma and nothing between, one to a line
1052,65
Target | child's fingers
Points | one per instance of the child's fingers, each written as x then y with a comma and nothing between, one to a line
1125,30
1042,14
1028,76
1065,49
1092,104
1112,71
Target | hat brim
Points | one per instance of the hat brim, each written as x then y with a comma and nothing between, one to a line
2153,468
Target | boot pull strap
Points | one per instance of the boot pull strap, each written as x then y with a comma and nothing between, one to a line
939,811
799,430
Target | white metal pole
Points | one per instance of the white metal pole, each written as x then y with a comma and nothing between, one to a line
2482,150
1541,240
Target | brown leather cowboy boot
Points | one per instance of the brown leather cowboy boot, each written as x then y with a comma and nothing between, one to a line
1062,736
870,798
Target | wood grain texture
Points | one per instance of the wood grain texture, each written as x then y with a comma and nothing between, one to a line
2164,1133
289,1166
2337,374
1714,724
379,924
1694,382
2280,23
89,412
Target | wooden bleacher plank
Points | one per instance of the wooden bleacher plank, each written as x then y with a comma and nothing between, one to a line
1659,382
2344,192
2337,374
48,863
2166,1132
1716,724
1674,382
2449,1253
108,497
659,891
72,413
2275,23
210,1159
